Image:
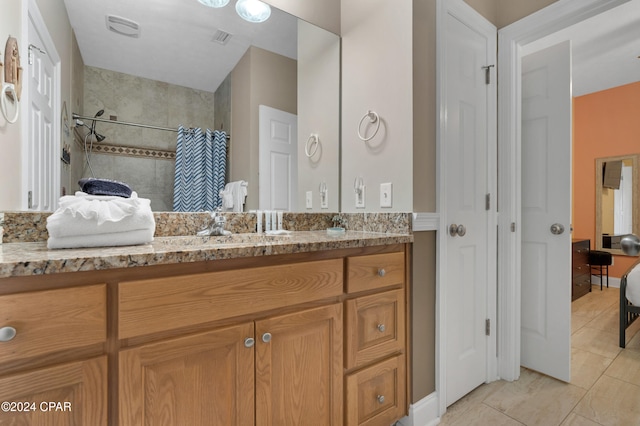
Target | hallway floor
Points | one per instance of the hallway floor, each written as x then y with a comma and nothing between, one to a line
605,379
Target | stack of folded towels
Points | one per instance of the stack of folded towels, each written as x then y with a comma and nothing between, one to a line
105,213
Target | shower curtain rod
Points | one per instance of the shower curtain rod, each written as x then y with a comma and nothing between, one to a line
75,116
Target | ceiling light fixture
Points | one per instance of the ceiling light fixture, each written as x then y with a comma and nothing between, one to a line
253,10
214,3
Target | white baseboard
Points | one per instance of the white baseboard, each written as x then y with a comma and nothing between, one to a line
423,412
613,281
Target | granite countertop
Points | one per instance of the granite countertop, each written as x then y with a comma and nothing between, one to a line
24,259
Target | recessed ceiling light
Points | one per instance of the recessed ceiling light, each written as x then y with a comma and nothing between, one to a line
253,10
214,3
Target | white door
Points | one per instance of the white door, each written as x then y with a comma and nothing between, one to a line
546,202
43,138
469,144
278,160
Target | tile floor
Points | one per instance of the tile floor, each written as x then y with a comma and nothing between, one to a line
605,379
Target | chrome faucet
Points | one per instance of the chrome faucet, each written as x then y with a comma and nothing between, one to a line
216,226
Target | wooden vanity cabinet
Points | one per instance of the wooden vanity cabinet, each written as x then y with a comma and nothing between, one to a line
201,379
304,339
293,359
376,349
48,375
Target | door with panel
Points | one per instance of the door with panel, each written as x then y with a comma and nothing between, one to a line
198,380
299,368
546,211
73,393
469,145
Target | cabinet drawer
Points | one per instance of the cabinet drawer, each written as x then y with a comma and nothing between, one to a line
375,271
155,305
375,327
53,320
377,395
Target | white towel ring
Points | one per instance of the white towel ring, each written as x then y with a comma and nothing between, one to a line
373,118
311,147
9,89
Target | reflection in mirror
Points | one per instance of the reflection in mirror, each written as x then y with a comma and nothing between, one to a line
292,67
616,201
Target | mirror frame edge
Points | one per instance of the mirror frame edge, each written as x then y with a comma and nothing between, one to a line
598,202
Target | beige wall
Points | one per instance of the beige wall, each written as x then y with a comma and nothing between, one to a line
377,75
323,13
259,78
424,106
318,113
10,134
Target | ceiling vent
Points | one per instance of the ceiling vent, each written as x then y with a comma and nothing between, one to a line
123,26
221,37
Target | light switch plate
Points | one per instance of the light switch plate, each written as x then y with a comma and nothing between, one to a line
309,199
386,195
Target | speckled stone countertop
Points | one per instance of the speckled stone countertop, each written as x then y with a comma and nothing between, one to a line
33,258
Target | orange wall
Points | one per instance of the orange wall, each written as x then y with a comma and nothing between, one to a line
606,124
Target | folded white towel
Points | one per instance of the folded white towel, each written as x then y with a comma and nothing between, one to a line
92,215
101,208
127,238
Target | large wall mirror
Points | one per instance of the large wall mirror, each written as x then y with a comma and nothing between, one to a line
616,201
179,62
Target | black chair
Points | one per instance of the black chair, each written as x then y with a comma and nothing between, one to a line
599,262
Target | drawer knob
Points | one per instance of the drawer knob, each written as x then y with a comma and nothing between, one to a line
381,272
249,342
7,333
266,337
380,399
381,328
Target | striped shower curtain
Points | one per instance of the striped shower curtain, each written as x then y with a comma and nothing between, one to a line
200,169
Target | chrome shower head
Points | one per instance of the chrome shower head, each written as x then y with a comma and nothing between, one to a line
99,137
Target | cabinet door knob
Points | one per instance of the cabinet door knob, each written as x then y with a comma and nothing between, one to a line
249,342
381,272
266,337
7,333
380,399
381,328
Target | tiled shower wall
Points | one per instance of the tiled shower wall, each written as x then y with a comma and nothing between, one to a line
139,100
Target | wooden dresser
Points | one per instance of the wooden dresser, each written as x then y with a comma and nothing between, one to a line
580,271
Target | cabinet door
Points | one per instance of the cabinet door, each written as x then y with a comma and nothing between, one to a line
199,380
72,394
299,368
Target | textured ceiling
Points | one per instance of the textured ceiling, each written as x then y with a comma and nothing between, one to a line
175,43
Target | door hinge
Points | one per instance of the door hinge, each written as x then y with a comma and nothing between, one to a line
487,202
487,73
513,227
30,199
487,327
